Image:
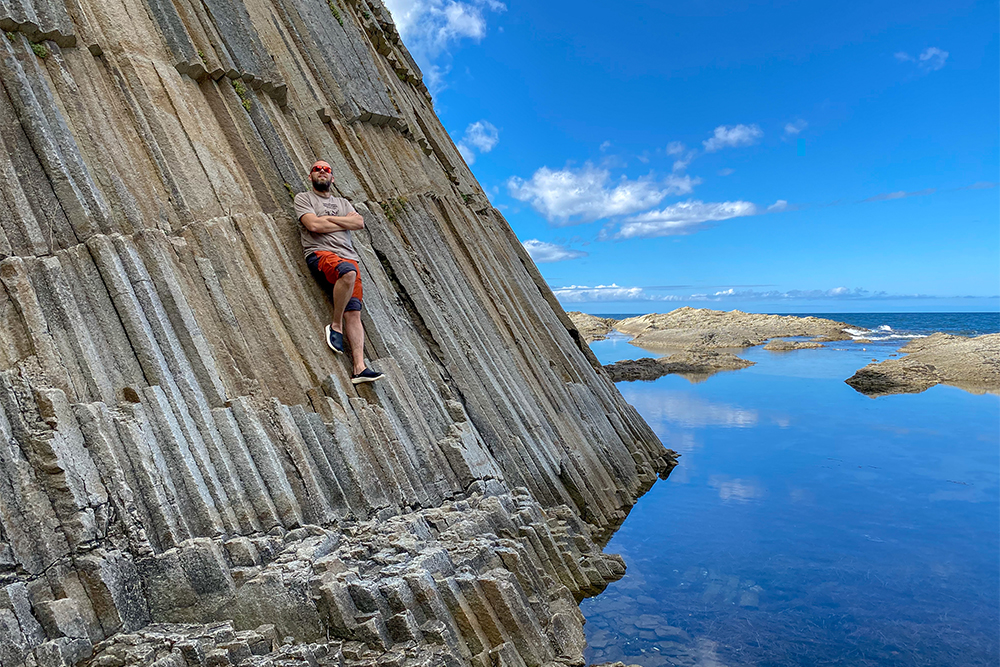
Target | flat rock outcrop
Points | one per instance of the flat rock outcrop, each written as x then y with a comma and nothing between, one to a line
591,327
972,364
187,475
704,329
781,345
695,366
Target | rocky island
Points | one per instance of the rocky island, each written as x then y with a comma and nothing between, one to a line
972,364
705,329
188,477
700,341
693,365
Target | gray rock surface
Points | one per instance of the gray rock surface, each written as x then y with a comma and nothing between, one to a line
780,345
187,475
704,329
972,364
591,327
695,366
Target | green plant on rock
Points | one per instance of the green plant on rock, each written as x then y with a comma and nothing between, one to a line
242,93
288,188
201,54
40,50
335,12
467,198
11,36
366,14
392,208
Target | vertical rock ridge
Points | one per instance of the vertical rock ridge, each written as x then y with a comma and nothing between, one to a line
187,475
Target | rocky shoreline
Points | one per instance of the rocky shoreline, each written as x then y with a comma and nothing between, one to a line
972,364
699,341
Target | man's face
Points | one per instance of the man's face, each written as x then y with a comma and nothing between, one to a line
321,176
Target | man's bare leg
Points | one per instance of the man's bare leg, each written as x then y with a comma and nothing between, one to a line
341,295
354,331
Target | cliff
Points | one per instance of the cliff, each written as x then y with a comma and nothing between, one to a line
187,476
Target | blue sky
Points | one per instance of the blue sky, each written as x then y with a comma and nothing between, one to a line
772,157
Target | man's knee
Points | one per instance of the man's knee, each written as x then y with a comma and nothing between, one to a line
347,271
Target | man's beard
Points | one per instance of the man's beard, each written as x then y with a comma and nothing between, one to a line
322,187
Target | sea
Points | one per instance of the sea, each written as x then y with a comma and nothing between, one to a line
808,524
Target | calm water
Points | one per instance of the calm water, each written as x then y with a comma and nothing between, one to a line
808,524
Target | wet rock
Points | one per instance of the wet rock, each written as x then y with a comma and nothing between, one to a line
695,366
972,364
780,345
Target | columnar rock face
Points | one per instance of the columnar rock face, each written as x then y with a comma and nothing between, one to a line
187,476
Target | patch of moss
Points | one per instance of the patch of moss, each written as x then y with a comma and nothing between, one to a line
242,92
201,54
335,12
467,198
40,50
392,208
366,14
291,193
11,36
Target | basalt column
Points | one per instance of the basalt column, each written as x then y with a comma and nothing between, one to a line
187,475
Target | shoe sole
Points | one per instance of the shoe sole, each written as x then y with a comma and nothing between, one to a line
329,344
361,380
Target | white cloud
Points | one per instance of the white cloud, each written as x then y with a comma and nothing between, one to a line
795,127
481,136
467,153
571,196
834,293
681,185
683,155
605,146
675,148
778,206
431,27
726,136
929,60
682,218
933,58
542,252
901,194
726,172
612,292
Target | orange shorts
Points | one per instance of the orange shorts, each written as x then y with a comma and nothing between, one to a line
328,268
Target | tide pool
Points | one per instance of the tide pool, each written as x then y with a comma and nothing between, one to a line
807,524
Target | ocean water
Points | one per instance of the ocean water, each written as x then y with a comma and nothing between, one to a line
807,524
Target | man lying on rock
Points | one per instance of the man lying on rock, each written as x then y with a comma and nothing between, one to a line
326,223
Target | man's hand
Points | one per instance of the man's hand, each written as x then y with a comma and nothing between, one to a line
332,223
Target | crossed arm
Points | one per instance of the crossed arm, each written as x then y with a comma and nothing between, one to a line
332,223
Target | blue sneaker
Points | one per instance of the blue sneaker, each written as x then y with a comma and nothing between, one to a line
367,375
335,340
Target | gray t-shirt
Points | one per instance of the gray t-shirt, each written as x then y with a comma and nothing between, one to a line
338,242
